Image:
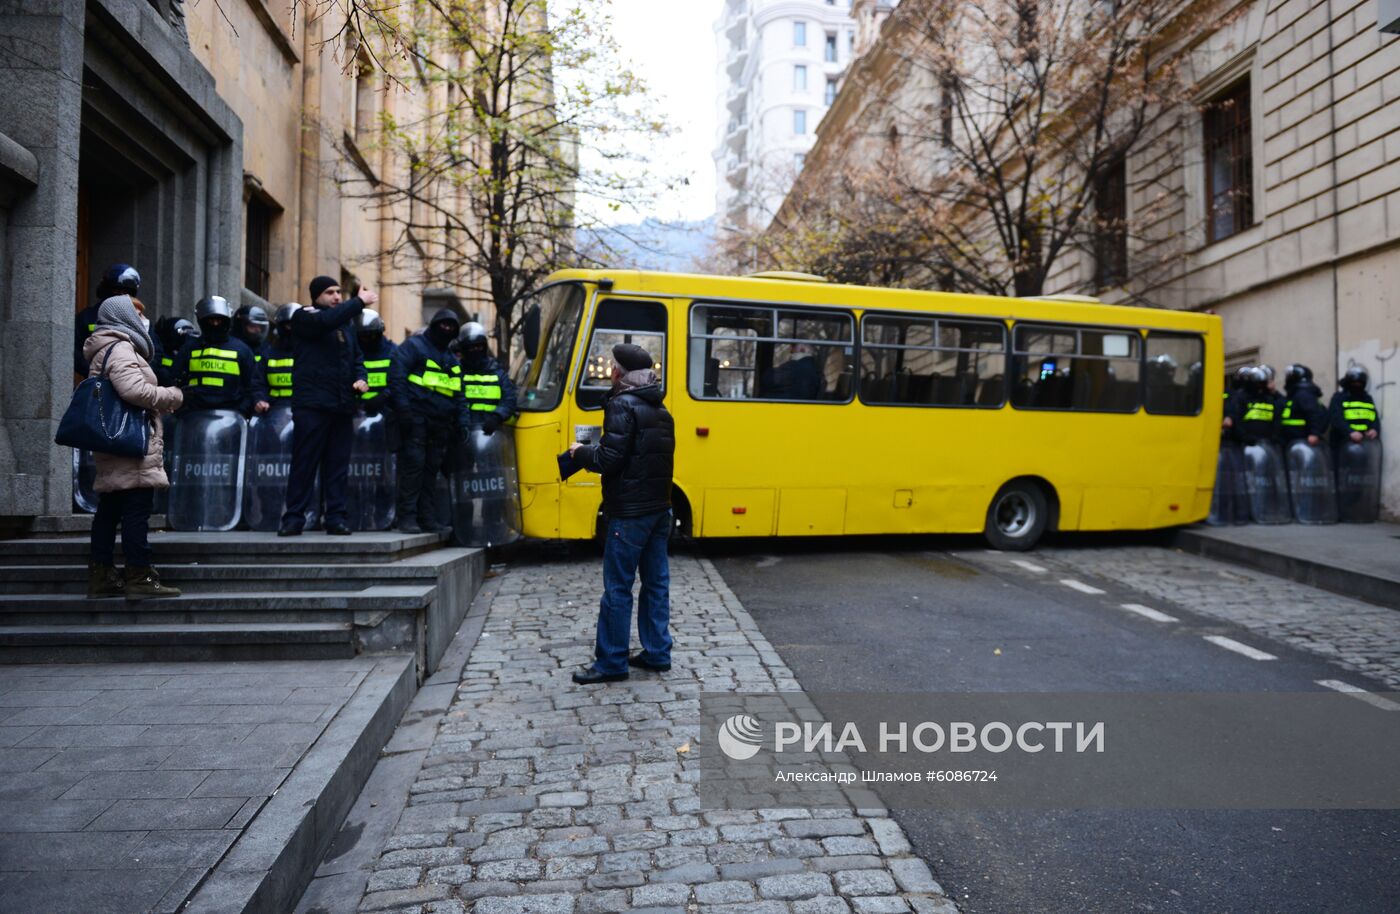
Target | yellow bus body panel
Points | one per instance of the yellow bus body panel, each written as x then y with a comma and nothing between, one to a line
820,469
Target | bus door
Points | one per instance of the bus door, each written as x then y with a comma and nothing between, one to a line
761,433
615,320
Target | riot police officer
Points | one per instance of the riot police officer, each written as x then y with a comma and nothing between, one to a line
1303,414
275,362
118,279
377,356
216,370
170,334
488,392
1255,411
250,325
1352,412
426,386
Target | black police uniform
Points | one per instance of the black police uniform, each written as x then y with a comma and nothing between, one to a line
378,362
1303,413
425,383
275,364
326,366
1256,416
216,371
488,392
1352,411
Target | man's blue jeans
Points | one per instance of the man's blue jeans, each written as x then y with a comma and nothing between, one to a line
635,544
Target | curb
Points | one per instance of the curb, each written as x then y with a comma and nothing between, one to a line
271,863
1347,582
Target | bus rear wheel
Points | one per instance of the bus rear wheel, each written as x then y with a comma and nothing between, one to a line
1017,516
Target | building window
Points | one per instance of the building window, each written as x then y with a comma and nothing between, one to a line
362,112
799,34
1111,228
947,103
830,53
831,87
799,122
850,42
799,78
257,246
1229,160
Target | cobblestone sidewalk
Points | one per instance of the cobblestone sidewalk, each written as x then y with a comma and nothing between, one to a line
1356,636
542,797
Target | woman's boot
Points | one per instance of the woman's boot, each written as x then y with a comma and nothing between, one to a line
143,583
103,581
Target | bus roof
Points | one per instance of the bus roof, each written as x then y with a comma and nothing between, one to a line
773,289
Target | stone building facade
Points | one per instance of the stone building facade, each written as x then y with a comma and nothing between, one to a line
1304,266
222,148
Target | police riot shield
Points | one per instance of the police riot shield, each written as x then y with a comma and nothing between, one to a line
161,503
485,490
1230,502
206,482
373,485
1268,484
1359,481
84,479
268,465
1310,483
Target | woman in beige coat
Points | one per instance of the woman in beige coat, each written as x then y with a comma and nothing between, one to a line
121,348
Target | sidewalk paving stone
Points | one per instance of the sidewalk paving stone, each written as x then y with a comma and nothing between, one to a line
539,796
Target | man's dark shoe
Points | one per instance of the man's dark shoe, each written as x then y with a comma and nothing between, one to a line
640,661
408,525
337,529
289,531
589,676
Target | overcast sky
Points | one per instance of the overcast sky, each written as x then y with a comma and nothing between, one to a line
671,44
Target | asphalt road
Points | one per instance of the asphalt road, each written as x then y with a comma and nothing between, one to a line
895,615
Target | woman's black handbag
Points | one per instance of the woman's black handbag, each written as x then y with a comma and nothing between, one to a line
100,421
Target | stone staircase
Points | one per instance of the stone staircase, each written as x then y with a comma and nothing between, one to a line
247,596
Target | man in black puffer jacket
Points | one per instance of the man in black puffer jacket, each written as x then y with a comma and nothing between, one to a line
635,456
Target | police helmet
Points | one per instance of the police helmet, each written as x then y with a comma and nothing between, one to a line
252,314
1256,380
118,279
1296,374
1241,375
1268,373
471,334
213,306
1356,378
285,313
183,328
1163,365
370,322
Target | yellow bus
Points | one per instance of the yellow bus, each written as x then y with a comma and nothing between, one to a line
805,408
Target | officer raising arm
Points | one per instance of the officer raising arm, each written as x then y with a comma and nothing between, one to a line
327,379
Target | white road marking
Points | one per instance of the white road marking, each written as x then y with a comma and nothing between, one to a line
1029,566
1080,586
768,561
1230,644
1337,685
1148,612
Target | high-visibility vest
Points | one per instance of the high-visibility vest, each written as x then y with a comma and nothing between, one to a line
483,391
1288,418
279,377
213,367
1259,411
377,376
439,380
1359,414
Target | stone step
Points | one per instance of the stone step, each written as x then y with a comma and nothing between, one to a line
206,579
236,548
378,598
198,641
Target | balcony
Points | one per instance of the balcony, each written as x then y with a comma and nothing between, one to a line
737,61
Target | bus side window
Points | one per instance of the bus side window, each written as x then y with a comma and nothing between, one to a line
756,353
1083,369
926,361
641,323
1175,378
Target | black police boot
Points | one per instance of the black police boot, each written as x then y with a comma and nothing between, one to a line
338,529
408,525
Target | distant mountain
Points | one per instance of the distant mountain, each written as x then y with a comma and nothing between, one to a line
675,247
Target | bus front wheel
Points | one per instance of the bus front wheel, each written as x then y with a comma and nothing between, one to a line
1017,516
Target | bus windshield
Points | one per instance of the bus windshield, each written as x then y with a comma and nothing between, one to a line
540,376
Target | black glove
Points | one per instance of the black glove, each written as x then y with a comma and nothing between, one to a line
491,423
